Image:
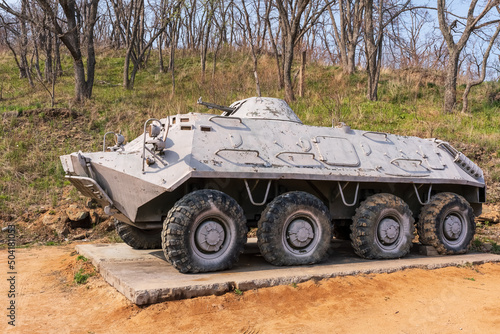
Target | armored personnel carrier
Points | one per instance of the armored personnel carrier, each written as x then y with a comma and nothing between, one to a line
193,183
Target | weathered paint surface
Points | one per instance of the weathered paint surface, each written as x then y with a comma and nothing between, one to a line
264,139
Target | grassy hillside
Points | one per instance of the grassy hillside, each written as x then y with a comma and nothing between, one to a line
33,135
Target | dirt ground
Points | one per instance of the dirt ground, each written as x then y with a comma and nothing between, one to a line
450,300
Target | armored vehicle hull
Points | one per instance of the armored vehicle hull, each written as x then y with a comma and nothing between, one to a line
193,184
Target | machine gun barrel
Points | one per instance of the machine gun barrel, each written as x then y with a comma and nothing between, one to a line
209,105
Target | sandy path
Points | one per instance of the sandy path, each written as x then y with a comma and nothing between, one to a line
449,300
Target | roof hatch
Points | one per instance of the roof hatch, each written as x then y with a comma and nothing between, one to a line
264,108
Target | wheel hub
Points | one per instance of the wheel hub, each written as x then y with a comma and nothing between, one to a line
210,236
452,227
388,231
300,233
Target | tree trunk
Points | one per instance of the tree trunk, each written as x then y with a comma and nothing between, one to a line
214,64
351,59
216,51
371,53
204,50
24,70
255,73
273,44
204,45
80,83
126,69
172,69
135,68
340,37
173,45
48,57
374,48
287,69
91,61
465,99
450,86
57,48
302,74
283,50
37,58
344,59
53,81
276,56
160,53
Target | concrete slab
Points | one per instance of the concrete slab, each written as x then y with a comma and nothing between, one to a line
144,277
428,251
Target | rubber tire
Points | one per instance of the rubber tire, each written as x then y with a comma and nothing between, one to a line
280,212
364,229
186,215
432,218
138,238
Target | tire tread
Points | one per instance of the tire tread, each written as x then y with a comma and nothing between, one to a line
362,238
176,229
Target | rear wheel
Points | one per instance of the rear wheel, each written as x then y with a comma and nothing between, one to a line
447,223
204,231
295,229
138,238
382,228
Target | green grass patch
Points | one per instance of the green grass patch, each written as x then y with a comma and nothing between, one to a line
81,277
81,258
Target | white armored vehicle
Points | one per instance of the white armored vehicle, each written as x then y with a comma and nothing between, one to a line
193,183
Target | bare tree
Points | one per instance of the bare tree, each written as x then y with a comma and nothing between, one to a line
296,17
247,27
115,37
273,41
132,18
385,14
408,42
470,24
163,35
175,19
76,27
70,28
347,33
25,71
205,29
220,35
39,39
13,37
17,29
481,70
190,13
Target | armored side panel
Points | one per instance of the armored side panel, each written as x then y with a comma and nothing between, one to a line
264,140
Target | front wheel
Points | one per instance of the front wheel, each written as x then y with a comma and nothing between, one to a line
204,231
382,228
294,229
447,223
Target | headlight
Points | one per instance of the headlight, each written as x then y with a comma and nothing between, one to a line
120,139
154,130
